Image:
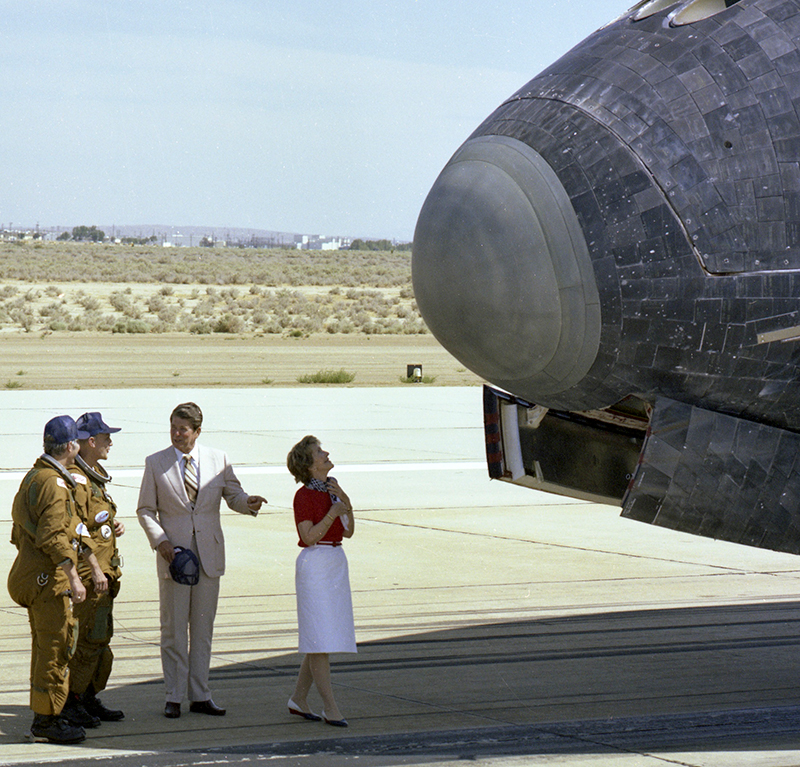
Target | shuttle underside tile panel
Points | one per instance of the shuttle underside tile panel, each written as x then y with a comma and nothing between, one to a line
719,476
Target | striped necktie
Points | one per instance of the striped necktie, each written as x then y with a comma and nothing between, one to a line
190,479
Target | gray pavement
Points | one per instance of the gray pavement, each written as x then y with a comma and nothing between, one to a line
495,624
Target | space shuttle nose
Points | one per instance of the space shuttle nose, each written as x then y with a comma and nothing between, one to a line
502,273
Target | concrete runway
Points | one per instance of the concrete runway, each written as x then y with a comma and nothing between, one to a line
495,624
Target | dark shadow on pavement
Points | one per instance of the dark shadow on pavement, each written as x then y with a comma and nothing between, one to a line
679,679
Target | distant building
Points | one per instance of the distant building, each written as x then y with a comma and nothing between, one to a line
320,242
18,235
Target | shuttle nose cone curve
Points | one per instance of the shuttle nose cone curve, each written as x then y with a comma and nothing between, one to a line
501,270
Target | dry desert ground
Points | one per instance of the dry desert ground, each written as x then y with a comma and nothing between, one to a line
86,316
93,360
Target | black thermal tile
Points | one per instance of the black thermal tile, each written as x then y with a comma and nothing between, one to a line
688,172
741,47
793,235
791,201
770,208
791,24
784,126
750,119
769,81
777,45
755,65
775,101
780,12
729,78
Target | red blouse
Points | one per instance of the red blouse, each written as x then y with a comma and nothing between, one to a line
313,505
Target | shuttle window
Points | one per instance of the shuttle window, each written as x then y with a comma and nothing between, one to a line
648,7
688,12
697,10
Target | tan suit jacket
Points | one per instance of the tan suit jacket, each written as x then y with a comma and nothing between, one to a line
165,512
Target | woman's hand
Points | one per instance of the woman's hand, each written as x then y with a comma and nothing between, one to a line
333,487
338,509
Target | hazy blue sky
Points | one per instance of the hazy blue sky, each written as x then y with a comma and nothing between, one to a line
296,115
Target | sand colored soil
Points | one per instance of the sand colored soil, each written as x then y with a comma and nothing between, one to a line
111,361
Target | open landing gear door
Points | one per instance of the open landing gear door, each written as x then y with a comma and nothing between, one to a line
589,455
672,465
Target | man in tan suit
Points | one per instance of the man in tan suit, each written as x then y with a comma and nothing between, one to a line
179,506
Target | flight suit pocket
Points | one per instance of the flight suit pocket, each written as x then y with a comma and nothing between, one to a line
24,585
103,627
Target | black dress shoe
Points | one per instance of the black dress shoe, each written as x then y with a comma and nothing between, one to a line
206,707
172,710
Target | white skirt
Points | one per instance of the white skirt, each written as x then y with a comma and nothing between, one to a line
324,605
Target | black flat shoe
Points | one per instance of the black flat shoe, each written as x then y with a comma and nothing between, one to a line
206,707
334,722
309,715
172,710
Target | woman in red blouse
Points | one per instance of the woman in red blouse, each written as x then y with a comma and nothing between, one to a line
323,516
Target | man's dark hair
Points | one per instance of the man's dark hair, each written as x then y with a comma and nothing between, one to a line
189,412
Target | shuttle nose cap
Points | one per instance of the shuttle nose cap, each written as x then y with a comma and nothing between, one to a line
501,270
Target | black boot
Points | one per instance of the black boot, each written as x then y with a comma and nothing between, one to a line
56,729
93,705
76,714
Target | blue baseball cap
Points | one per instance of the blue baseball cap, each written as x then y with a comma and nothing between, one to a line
63,429
93,423
185,567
